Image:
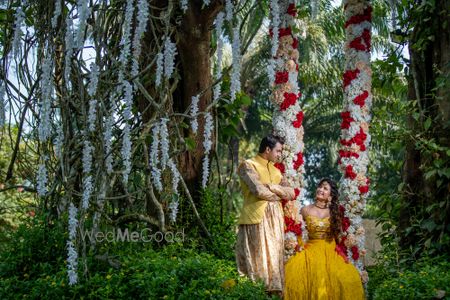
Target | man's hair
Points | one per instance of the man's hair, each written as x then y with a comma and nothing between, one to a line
270,141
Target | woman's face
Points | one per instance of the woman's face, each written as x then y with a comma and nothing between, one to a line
323,192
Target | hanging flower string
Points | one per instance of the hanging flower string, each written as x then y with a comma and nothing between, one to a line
207,145
355,138
288,116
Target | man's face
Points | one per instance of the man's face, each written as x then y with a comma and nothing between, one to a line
274,155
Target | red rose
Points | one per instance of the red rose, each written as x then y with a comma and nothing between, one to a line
355,253
349,173
281,77
299,161
284,31
345,223
295,45
346,120
363,189
296,192
361,99
280,166
292,10
298,122
289,100
341,209
350,75
356,19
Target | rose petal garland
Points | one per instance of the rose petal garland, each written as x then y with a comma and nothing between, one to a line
288,116
355,138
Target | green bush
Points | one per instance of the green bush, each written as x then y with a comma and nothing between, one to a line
33,267
425,279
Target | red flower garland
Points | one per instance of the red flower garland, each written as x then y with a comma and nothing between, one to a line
346,120
349,173
299,161
292,226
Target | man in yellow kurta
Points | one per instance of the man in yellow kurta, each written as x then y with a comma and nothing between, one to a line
259,246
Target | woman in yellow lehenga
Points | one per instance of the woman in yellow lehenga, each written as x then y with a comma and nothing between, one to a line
319,272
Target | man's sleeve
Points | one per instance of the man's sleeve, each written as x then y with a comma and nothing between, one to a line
283,190
251,178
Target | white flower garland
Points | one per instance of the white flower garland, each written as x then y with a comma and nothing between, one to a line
87,178
218,75
46,82
83,13
229,10
19,18
236,64
184,5
142,18
107,140
56,13
42,178
194,112
176,176
69,43
159,68
2,103
154,157
170,51
72,255
355,138
164,140
207,145
92,89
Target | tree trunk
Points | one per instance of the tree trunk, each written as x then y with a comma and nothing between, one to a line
428,69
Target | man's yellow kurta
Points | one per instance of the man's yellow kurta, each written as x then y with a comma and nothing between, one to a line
259,246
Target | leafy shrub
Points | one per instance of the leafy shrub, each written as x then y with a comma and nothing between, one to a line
34,267
426,279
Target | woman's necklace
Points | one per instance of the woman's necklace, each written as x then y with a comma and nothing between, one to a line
325,207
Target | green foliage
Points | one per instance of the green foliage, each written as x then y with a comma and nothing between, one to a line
426,279
36,269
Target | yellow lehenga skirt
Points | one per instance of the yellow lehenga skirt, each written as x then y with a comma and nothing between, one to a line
319,272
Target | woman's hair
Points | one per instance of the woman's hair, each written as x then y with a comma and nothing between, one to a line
335,215
270,141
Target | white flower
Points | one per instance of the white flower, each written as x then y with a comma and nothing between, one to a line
107,138
219,24
164,137
42,179
207,144
173,207
2,103
236,66
83,13
46,82
87,178
92,114
126,34
141,28
56,13
275,25
19,18
93,79
126,153
159,68
69,49
72,263
206,2
154,158
184,5
73,221
170,51
194,112
229,10
176,176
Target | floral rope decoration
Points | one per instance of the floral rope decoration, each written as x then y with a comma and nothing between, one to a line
288,116
355,138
